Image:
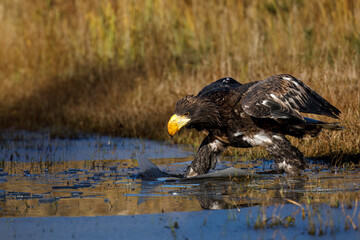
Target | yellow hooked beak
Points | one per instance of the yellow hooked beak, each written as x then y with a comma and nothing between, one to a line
176,123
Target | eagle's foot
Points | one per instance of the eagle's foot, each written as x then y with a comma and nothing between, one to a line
290,168
190,172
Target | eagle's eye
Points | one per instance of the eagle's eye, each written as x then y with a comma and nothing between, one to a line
186,114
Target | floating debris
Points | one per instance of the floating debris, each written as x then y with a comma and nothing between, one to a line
76,194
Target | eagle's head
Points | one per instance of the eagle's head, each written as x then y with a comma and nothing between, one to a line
194,112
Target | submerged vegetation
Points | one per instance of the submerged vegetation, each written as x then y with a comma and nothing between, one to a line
118,67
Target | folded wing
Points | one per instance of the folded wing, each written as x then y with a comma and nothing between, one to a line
284,97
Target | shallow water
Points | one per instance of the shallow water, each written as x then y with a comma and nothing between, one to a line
99,176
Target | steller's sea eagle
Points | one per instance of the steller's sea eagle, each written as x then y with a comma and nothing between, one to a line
259,113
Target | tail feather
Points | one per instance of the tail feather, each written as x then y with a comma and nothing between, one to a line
330,126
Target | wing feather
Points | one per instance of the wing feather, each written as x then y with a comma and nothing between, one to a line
284,96
222,84
223,92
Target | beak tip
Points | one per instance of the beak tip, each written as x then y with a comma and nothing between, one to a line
175,124
171,134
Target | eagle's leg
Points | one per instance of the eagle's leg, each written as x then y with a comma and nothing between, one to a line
206,157
287,157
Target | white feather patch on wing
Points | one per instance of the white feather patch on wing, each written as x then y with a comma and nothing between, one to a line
296,84
265,102
277,137
274,96
238,133
287,78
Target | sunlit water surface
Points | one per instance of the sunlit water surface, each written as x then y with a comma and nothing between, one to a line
100,176
93,176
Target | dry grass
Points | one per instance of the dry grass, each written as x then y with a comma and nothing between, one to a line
119,66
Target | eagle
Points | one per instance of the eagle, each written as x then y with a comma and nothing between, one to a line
259,113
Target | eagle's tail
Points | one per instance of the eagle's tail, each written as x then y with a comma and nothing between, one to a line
330,126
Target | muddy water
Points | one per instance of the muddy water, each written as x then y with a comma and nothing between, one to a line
99,176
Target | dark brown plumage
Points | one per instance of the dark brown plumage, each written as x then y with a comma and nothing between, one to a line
255,114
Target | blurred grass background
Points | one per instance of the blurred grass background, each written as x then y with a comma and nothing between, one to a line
118,67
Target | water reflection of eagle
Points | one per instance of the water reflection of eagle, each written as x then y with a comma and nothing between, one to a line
259,113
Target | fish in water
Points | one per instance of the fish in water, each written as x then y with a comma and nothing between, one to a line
259,113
